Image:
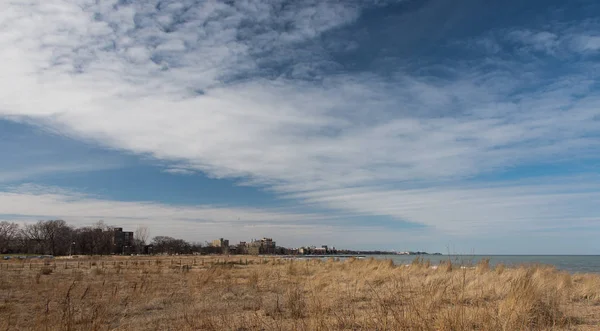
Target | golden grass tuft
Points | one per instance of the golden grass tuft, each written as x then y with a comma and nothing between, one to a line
483,266
529,304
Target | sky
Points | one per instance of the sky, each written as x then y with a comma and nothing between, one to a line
444,126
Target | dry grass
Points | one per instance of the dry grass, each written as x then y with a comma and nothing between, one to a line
257,294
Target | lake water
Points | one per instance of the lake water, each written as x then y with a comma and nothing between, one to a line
570,263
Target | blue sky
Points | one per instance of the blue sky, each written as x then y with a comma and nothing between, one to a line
457,126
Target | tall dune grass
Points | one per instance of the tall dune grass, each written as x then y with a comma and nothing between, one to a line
277,294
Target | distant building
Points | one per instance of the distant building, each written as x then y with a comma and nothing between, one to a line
262,246
222,245
254,248
267,246
242,248
122,241
148,249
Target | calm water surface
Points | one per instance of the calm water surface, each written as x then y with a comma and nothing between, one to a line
570,263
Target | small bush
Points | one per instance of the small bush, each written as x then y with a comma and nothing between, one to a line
46,271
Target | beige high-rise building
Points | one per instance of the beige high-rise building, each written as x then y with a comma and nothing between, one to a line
220,243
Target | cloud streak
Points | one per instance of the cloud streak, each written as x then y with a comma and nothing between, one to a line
507,208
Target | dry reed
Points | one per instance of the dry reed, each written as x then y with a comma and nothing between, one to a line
276,294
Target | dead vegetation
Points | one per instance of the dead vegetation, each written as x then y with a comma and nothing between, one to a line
257,294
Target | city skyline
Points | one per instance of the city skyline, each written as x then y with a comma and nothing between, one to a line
377,125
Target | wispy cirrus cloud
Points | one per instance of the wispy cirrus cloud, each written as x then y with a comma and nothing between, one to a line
250,90
560,39
468,209
542,41
587,43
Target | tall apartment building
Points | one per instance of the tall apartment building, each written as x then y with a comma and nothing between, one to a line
262,246
221,243
267,246
122,241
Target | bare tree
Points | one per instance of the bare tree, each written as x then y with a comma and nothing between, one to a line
49,237
93,240
33,238
9,233
59,236
169,245
140,237
102,237
84,242
141,234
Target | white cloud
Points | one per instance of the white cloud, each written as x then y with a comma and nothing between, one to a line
561,41
585,43
542,41
491,209
196,84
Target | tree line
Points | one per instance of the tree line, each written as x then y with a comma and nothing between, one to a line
56,237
